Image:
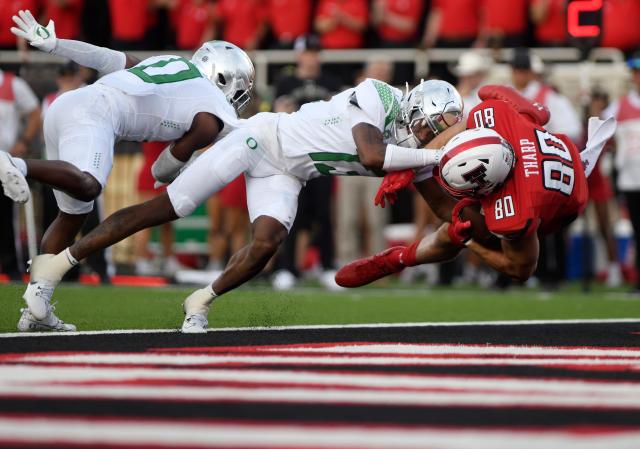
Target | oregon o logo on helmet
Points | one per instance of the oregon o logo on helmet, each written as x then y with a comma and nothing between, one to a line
43,32
252,143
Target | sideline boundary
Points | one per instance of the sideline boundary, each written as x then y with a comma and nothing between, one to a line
327,326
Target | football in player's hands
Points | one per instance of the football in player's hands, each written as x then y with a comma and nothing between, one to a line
43,38
460,230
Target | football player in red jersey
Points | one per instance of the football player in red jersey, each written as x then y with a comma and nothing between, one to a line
526,180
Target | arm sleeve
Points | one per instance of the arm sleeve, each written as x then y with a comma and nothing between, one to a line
26,100
104,60
365,106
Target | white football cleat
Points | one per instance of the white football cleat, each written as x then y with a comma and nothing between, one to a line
51,323
41,286
195,324
38,298
13,181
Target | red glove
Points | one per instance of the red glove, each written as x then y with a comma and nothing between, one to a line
535,111
392,182
460,230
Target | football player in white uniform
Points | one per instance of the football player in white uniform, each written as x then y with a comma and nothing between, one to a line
191,103
357,132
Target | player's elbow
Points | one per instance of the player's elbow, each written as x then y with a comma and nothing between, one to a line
521,272
372,158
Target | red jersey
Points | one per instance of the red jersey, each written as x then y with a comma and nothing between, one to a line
67,18
459,20
547,188
341,36
508,17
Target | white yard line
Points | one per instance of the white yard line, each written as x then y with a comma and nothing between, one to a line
34,375
186,359
330,326
302,395
229,435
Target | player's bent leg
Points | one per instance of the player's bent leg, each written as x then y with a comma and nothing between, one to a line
365,271
435,247
268,234
65,177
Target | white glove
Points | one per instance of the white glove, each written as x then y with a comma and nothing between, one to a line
43,38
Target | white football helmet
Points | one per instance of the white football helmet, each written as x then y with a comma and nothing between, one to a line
229,68
432,105
474,163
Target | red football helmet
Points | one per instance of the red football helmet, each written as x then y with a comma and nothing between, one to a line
475,163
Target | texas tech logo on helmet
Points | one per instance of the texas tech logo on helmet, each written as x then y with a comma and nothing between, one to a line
475,162
477,176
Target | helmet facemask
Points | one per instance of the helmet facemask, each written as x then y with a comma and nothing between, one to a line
415,127
229,68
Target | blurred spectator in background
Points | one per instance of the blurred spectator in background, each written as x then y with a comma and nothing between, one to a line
130,21
308,82
341,23
396,22
620,24
288,19
601,194
471,70
549,18
9,8
17,101
451,24
242,22
626,111
526,73
195,23
147,264
66,14
503,23
360,224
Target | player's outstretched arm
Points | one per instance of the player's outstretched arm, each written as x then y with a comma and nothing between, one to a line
375,154
104,60
517,258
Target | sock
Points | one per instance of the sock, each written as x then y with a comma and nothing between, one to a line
408,255
20,165
199,301
51,267
72,260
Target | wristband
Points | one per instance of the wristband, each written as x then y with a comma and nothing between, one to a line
399,158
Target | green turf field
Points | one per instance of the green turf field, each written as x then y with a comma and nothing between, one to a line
98,308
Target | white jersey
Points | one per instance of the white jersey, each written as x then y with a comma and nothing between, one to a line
317,139
157,99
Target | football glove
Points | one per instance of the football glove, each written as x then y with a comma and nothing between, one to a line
392,182
42,38
460,230
535,111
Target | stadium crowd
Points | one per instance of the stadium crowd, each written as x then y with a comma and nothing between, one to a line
260,24
336,220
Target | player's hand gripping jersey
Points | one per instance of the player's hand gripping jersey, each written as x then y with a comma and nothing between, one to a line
163,94
547,188
317,139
